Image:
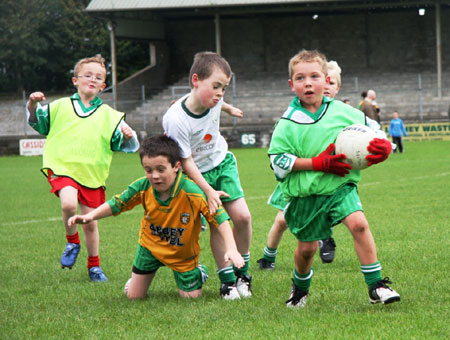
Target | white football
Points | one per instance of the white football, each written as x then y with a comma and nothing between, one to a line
353,141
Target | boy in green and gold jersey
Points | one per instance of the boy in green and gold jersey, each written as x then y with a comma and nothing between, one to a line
82,134
170,229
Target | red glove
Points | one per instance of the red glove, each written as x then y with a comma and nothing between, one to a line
331,163
380,150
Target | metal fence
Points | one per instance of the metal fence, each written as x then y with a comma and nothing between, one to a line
415,96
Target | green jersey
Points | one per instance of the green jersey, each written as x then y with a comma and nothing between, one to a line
302,134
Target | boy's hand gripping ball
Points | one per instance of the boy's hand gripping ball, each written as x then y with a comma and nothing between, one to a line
379,149
331,163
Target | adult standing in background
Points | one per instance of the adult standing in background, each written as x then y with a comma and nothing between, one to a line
363,96
367,106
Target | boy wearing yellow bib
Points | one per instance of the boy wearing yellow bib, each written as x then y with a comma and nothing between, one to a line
82,134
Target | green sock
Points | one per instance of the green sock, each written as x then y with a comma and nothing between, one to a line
270,254
372,273
302,281
244,269
226,274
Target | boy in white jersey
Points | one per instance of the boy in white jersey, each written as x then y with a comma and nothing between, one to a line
320,188
82,134
193,121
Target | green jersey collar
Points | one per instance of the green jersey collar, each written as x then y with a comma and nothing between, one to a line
189,113
96,102
176,187
296,112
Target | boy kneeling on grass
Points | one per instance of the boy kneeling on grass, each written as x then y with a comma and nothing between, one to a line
170,228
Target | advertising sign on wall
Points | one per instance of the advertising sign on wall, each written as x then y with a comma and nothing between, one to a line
425,131
31,147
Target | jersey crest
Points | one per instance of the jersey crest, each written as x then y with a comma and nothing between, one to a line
185,218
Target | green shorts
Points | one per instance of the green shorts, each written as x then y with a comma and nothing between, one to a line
225,177
145,263
277,200
310,218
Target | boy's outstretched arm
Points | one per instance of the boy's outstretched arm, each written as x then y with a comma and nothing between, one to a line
231,252
102,211
191,169
232,111
35,97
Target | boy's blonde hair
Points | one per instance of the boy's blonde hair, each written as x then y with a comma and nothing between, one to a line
308,56
205,63
96,59
333,66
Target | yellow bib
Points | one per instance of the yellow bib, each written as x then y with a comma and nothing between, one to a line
80,147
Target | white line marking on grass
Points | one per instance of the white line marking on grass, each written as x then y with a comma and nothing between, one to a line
250,198
50,219
44,220
418,178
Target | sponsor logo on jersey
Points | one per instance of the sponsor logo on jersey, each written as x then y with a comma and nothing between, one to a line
185,218
205,147
171,235
207,138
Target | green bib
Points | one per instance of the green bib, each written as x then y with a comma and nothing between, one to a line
80,147
306,135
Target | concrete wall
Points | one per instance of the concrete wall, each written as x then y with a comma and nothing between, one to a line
396,40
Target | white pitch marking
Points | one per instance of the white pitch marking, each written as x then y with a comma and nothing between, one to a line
50,219
250,198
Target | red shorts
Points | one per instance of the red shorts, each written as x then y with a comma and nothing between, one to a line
89,197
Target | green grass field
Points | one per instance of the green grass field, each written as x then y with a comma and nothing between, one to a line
407,203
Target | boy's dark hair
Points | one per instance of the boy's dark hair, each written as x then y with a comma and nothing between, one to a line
204,64
160,145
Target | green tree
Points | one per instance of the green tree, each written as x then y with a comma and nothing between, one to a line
41,40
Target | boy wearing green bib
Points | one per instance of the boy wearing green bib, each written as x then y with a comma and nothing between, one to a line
320,188
82,134
327,246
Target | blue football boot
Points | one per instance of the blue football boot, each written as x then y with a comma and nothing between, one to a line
70,255
96,275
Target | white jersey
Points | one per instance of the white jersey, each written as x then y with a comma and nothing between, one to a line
197,135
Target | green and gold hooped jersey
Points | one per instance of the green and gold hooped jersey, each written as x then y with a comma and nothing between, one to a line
170,229
303,134
80,147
